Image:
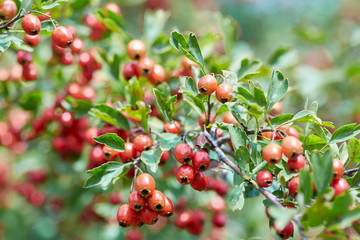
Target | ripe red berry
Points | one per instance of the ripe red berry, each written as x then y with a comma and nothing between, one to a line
276,109
62,37
264,179
182,219
185,174
293,186
129,152
32,40
156,201
130,70
8,9
174,127
125,215
67,58
164,158
66,119
168,209
339,185
77,45
43,17
272,153
115,198
136,201
136,49
142,142
133,234
187,63
183,153
291,147
201,161
113,7
24,58
145,184
199,182
207,84
338,168
296,164
286,232
223,92
109,153
29,72
146,66
149,216
138,222
202,119
290,131
229,118
219,219
158,75
31,24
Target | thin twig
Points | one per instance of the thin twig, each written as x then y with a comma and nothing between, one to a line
297,218
7,25
351,172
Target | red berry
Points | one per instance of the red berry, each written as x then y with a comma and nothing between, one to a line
77,45
168,209
217,204
219,219
32,40
220,186
199,182
339,185
43,17
31,24
164,158
8,9
202,119
338,168
149,216
272,153
296,164
136,49
158,75
174,128
156,201
146,66
29,72
129,153
182,219
276,109
207,84
223,92
138,222
24,58
112,7
62,37
115,198
293,186
130,70
133,234
286,232
185,174
67,58
264,179
145,184
109,153
125,215
136,201
187,63
66,119
142,142
183,153
291,147
229,118
201,161
290,131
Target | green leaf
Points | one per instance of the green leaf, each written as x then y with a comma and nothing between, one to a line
107,173
345,133
353,151
154,23
316,214
190,87
322,168
195,49
30,101
151,158
305,185
310,117
256,153
242,157
115,18
238,137
228,31
110,115
166,106
236,197
77,106
112,140
6,41
259,97
280,119
230,78
281,51
51,4
282,216
314,142
168,141
248,68
140,113
114,64
277,89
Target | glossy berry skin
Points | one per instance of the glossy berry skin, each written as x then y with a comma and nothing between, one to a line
229,118
168,209
202,120
136,201
290,131
199,182
276,109
146,66
8,9
31,24
67,58
129,154
164,158
145,184
77,45
293,186
142,142
207,84
156,201
185,174
24,58
264,179
201,161
286,232
291,147
32,40
340,185
110,154
174,127
149,216
125,215
296,164
219,219
272,153
136,49
62,37
158,75
66,119
29,72
223,92
130,70
183,153
338,168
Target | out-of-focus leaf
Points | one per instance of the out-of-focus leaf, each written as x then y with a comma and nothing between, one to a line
281,51
6,41
322,168
110,115
236,197
345,133
305,185
277,89
154,23
248,68
228,30
166,106
77,106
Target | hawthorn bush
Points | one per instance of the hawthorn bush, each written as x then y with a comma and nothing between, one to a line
101,131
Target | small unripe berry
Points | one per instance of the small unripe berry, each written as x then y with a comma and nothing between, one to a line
31,24
156,201
340,185
272,153
207,84
291,147
286,232
185,174
62,37
264,179
142,142
145,184
201,161
293,186
199,182
136,201
296,164
149,216
136,49
125,215
168,208
174,127
338,168
223,92
183,153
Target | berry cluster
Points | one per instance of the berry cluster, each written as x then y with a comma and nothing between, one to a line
208,84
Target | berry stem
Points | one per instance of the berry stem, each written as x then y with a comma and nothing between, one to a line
351,172
52,20
7,25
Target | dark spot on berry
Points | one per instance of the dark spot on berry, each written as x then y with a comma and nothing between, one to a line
146,71
169,214
137,56
224,100
68,44
292,170
184,180
137,207
203,90
293,155
273,161
34,32
144,192
202,167
282,235
147,148
268,182
123,224
107,155
159,207
155,220
187,160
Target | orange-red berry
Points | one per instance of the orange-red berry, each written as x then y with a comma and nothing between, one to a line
145,184
207,84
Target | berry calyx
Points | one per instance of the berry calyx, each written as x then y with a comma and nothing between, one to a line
183,153
146,66
272,153
136,49
125,215
338,168
185,174
129,152
201,161
32,40
109,153
62,37
174,127
156,201
264,179
293,186
291,147
223,92
199,182
207,84
31,24
286,232
24,58
136,201
340,185
142,142
296,164
145,184
149,216
168,209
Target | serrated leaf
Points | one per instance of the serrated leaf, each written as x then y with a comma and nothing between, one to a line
242,157
166,105
6,41
248,67
345,133
238,137
314,142
168,141
111,116
151,158
236,197
277,88
353,151
190,87
322,166
112,140
280,119
305,186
